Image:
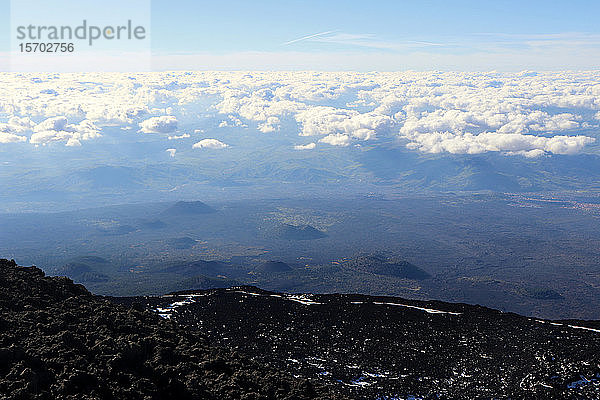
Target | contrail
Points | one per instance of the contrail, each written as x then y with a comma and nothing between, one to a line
308,37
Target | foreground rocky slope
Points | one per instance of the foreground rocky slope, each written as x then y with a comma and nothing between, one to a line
58,341
392,348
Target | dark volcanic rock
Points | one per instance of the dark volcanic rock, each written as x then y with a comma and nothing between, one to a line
188,208
195,268
58,341
391,348
543,294
273,267
381,265
293,232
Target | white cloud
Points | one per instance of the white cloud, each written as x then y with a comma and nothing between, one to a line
309,146
57,129
270,125
336,139
52,124
314,35
467,143
177,137
17,125
162,124
232,121
7,137
72,142
209,144
527,154
444,112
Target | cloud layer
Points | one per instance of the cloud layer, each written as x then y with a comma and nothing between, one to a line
209,144
520,114
162,124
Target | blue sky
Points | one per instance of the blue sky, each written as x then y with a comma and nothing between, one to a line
265,25
375,35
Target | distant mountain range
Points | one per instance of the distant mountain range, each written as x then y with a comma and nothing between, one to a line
281,172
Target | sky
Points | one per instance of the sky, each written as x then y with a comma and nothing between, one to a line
266,25
350,35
